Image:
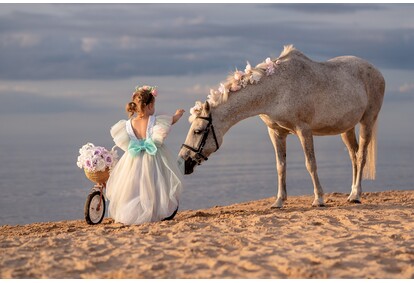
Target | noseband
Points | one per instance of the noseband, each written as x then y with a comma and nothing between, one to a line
199,155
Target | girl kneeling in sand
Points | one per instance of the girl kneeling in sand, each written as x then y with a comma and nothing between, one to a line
146,183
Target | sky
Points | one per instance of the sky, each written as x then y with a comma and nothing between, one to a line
87,58
50,42
67,71
108,41
69,63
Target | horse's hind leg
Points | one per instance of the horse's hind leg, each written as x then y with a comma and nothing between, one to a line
279,142
365,137
351,143
306,139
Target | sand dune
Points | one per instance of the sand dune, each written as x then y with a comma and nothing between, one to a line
248,240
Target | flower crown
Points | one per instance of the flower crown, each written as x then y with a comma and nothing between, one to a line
151,89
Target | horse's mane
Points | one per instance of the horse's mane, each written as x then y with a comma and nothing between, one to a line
286,50
252,75
239,80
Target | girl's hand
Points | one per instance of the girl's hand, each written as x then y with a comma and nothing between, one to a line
178,114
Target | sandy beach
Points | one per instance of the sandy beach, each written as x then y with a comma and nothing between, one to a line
374,239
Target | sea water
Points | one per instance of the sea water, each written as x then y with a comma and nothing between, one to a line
39,179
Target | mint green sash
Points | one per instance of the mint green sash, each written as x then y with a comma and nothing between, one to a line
135,147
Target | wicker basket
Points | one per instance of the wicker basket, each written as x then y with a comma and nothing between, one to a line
98,177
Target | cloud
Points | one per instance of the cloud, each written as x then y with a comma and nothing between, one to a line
33,97
89,43
127,42
16,88
185,21
198,89
330,8
122,41
16,102
407,87
21,40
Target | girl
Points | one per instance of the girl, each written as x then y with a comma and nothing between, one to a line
146,183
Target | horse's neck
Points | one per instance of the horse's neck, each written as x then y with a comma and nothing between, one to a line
240,105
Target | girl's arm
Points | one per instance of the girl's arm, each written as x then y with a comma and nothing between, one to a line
178,114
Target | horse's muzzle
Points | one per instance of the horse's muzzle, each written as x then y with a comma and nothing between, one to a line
189,166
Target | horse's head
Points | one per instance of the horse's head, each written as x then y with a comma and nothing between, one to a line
202,139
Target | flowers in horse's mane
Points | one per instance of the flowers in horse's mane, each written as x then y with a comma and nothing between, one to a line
197,108
235,82
151,89
240,79
270,67
195,111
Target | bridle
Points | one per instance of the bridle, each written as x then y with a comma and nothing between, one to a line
198,151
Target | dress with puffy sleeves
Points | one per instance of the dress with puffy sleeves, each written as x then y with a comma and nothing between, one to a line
145,185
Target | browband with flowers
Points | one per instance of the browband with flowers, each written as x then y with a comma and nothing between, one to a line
235,82
152,89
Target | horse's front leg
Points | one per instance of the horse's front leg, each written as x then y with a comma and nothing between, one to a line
306,139
279,143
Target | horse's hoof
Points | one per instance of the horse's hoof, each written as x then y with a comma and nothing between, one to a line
318,205
354,201
277,204
275,207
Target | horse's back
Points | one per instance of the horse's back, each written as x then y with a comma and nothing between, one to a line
363,71
340,90
330,97
371,78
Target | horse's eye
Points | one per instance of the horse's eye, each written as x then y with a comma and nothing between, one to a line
197,132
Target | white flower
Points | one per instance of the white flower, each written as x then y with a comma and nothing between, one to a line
96,158
235,82
101,165
255,77
197,108
238,75
248,69
270,67
252,75
235,86
222,89
80,162
214,97
224,92
270,71
244,81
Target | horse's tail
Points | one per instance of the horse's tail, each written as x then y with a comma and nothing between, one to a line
370,165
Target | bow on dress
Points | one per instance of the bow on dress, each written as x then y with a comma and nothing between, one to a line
135,147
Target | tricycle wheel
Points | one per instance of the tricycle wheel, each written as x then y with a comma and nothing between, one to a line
94,208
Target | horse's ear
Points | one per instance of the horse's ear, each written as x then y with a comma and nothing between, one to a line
207,107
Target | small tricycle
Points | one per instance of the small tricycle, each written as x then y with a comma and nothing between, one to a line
95,206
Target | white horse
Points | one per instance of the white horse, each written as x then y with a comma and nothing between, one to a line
295,95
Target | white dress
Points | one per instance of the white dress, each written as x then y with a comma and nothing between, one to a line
145,185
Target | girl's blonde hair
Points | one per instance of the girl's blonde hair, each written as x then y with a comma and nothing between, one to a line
140,99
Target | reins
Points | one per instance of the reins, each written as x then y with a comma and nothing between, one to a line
199,155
